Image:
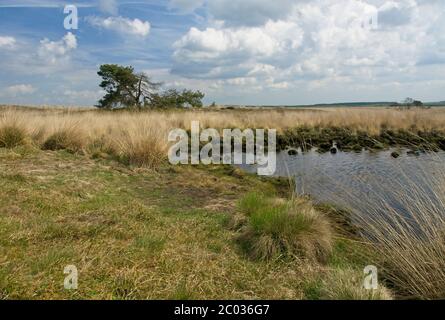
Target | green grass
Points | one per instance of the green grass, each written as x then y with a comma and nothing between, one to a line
132,233
277,227
143,234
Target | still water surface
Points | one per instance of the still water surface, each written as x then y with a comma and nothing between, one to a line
364,179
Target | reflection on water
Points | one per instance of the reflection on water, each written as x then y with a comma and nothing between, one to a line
373,179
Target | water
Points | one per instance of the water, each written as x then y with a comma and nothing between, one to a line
366,180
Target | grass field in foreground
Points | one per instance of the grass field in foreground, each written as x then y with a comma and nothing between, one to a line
142,234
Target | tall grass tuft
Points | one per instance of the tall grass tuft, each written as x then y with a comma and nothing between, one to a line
284,228
347,284
12,131
12,136
67,139
141,147
403,221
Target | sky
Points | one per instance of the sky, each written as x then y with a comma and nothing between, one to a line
258,52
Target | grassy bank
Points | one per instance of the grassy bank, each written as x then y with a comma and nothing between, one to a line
346,139
94,189
142,234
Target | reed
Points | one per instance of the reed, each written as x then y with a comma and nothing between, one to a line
141,138
402,220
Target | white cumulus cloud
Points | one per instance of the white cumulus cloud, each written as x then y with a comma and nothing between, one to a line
54,51
109,6
122,25
7,42
319,43
17,90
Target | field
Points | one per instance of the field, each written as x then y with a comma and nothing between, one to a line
95,190
124,134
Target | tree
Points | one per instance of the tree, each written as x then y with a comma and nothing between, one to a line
418,103
173,98
192,98
408,101
124,87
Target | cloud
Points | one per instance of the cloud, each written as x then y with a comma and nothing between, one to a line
54,51
238,45
396,13
312,44
122,25
7,42
238,12
46,57
185,6
109,7
40,4
249,12
85,95
17,90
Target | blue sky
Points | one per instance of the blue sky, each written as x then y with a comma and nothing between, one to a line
235,51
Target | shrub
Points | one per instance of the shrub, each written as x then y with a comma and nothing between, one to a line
12,136
284,228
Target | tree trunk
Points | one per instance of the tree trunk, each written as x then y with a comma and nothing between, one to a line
139,93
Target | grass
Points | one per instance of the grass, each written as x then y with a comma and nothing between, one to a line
348,139
132,233
347,284
140,138
143,234
403,227
64,139
12,131
179,232
284,228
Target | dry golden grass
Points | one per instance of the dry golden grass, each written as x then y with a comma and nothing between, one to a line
370,120
347,284
141,138
403,221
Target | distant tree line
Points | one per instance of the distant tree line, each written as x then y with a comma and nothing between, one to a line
126,88
409,103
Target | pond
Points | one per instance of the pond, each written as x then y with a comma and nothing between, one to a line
366,180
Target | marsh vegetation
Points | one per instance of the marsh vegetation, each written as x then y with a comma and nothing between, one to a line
139,228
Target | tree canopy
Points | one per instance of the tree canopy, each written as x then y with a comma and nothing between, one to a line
127,89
